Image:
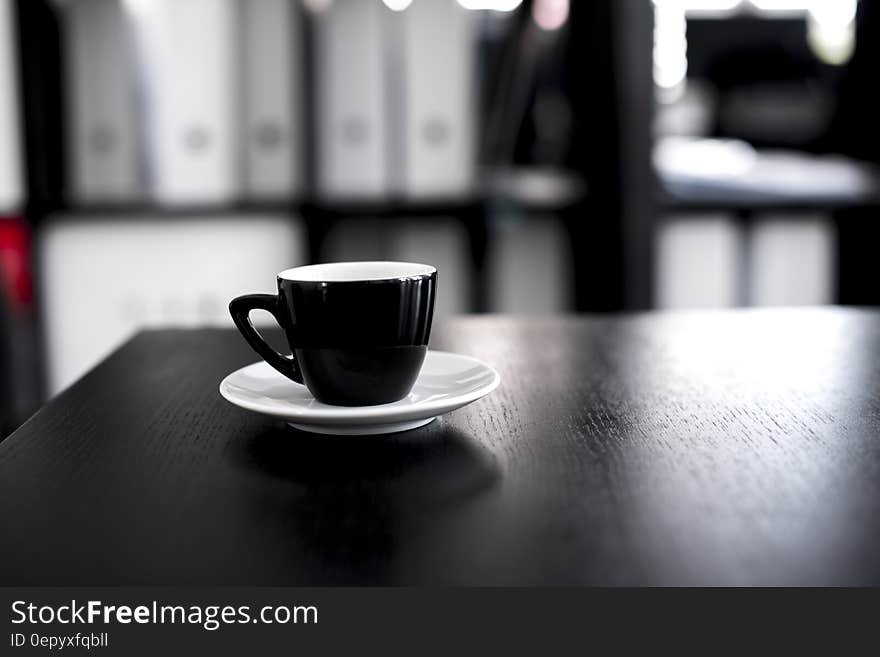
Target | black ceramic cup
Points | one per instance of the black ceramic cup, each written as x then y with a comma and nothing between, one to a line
358,331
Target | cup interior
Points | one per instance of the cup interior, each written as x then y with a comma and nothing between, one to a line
341,272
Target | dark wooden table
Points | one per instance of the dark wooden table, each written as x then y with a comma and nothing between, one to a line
738,447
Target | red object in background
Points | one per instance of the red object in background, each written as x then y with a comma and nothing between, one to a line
15,263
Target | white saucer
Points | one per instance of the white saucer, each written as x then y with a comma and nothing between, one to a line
447,381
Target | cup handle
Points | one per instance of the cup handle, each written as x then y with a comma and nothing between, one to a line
240,308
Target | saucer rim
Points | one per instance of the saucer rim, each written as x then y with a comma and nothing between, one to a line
376,414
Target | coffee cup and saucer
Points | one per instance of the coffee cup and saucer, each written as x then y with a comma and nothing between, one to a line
359,364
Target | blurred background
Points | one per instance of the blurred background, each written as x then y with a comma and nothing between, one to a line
158,157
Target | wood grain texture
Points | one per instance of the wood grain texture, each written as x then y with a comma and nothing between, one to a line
737,447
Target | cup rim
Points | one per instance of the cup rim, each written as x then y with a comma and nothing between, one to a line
357,272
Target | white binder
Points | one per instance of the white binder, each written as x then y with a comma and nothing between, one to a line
11,192
151,271
189,59
443,243
102,132
351,103
439,104
529,267
698,262
273,98
792,261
